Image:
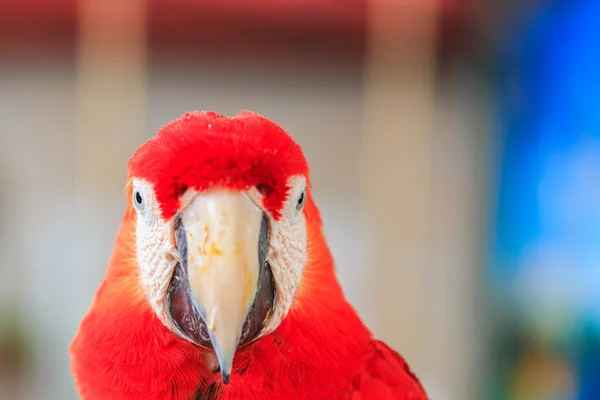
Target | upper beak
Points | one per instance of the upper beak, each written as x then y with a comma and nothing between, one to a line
225,246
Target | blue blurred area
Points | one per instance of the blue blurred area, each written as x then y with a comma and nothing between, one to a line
545,269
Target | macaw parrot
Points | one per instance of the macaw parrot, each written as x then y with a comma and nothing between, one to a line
221,284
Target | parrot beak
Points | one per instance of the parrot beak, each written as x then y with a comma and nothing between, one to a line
222,238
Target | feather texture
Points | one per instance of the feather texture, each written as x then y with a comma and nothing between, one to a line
386,375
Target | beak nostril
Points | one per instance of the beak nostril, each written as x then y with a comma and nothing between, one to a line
181,190
262,189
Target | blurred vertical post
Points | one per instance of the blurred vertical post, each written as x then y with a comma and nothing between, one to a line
111,63
396,171
423,173
111,84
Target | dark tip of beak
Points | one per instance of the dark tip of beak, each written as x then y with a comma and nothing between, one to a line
225,377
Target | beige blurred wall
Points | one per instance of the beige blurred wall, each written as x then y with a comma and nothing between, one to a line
425,162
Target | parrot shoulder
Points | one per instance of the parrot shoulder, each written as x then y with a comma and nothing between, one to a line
386,375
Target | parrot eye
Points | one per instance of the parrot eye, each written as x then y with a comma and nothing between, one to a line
301,201
138,200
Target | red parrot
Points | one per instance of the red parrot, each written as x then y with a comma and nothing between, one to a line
221,284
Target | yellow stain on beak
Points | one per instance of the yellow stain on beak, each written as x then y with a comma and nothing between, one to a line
222,233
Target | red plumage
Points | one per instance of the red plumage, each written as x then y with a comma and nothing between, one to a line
321,350
204,149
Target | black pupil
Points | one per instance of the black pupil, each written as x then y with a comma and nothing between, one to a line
138,198
301,199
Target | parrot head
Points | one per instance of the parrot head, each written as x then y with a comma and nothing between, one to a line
220,236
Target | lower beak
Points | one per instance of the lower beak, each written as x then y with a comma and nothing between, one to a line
225,246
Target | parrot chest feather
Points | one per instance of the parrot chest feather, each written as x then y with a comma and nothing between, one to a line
213,392
277,369
386,375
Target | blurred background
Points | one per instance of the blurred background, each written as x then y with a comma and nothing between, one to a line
455,154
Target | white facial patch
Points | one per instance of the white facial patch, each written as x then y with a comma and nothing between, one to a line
157,253
287,252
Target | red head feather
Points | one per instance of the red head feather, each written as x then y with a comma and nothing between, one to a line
203,149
